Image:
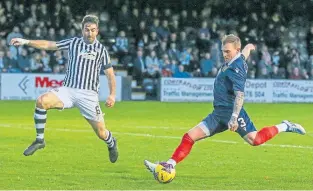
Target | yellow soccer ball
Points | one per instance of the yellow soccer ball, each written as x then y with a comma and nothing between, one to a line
164,173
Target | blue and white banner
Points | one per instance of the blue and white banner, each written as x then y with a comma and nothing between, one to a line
261,91
186,89
258,91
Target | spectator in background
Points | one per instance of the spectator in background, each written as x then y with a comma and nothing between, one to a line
140,67
33,11
203,42
275,73
180,73
204,29
135,19
146,15
43,14
121,45
167,66
264,73
58,61
165,30
155,27
153,41
206,65
173,52
140,31
295,74
38,34
27,33
36,64
10,63
3,45
61,35
23,61
305,74
183,42
72,33
6,26
174,27
14,34
51,35
124,18
185,57
152,63
20,14
45,59
272,36
161,49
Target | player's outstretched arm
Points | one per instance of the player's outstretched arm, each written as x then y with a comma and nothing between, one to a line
39,44
112,86
233,123
247,49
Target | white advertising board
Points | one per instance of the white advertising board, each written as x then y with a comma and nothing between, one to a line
30,86
293,91
262,91
186,89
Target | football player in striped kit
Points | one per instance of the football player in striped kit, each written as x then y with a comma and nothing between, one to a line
80,86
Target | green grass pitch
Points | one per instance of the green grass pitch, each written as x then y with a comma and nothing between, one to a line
74,158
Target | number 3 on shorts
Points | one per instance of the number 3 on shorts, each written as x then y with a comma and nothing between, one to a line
97,110
242,122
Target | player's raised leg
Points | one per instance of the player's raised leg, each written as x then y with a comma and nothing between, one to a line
106,136
249,133
44,102
257,138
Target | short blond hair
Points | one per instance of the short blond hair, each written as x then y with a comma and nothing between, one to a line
231,38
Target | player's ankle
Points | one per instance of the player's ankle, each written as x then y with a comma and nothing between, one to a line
172,162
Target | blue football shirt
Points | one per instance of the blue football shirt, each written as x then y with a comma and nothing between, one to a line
230,78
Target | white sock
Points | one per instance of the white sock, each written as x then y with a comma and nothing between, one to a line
282,127
172,162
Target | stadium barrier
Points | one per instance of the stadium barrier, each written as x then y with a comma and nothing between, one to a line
29,86
262,91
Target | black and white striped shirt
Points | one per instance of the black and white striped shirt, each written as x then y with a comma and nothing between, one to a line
84,63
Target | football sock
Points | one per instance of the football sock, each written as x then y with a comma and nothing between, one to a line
265,134
183,149
109,139
40,118
282,127
172,162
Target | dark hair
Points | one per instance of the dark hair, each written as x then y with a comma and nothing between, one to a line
90,19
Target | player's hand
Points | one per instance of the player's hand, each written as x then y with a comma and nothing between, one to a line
250,47
233,123
110,101
19,41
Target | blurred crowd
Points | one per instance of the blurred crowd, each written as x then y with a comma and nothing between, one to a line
153,38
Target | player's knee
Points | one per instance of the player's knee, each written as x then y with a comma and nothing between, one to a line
251,141
42,102
256,142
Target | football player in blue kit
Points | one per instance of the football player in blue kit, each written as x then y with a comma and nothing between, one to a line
228,110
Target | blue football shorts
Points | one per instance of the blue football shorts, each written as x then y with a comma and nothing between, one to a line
217,122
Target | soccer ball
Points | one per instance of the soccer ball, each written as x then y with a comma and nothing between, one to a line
164,172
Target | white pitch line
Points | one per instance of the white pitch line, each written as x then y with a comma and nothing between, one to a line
154,136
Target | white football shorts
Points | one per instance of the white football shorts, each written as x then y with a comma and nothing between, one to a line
87,101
